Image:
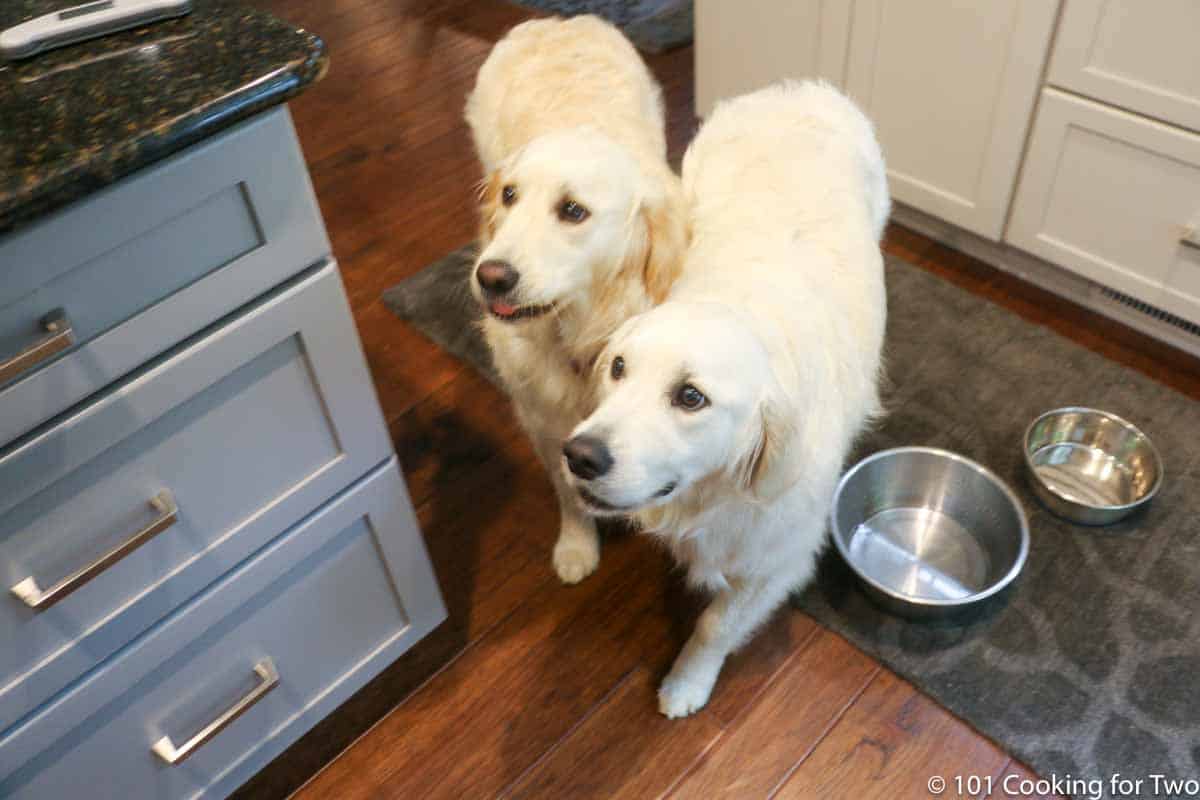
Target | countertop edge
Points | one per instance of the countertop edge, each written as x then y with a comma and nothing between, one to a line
83,178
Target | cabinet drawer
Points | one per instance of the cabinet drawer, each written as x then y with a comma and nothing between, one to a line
134,269
327,605
1114,197
1142,56
247,428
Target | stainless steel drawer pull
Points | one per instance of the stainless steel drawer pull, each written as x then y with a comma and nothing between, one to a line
268,679
34,597
59,336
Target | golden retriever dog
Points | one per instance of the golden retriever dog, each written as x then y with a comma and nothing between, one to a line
726,412
582,226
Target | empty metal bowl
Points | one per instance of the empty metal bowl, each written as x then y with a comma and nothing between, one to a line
928,532
1090,466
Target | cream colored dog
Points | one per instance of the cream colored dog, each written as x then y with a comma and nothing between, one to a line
726,412
582,226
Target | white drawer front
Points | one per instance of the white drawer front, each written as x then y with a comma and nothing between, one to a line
1140,55
1114,197
329,604
139,266
249,428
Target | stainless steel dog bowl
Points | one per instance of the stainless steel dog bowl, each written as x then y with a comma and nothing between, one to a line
1090,466
927,531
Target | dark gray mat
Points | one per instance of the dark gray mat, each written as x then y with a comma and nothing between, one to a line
652,25
1091,664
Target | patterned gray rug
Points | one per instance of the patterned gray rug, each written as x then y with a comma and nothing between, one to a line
1090,665
652,25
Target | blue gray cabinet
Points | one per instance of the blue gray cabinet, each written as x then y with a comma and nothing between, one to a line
140,265
205,541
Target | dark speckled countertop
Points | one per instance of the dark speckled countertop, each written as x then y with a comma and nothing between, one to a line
78,118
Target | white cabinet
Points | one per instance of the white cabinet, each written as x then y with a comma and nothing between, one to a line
743,46
1144,56
1093,112
1114,197
951,87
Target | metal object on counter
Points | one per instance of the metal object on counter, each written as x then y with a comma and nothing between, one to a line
87,21
928,531
1091,466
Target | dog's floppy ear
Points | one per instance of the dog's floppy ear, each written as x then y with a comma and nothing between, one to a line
665,220
774,462
489,204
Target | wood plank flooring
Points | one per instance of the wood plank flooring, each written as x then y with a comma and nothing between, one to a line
531,688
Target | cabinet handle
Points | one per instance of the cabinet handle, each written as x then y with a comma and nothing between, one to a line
268,679
1191,238
59,336
34,597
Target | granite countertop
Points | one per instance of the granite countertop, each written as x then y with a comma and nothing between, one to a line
78,118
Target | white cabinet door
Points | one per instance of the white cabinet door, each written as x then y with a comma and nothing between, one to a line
951,87
743,46
1141,55
1114,197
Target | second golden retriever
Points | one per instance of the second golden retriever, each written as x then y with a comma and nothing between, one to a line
582,226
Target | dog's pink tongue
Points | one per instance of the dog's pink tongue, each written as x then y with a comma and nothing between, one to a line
503,309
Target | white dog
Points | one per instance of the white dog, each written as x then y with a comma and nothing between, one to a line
582,226
725,413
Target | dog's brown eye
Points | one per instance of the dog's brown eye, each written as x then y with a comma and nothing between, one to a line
570,211
689,398
618,368
508,195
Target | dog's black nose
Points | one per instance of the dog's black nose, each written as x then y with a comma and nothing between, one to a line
497,276
587,457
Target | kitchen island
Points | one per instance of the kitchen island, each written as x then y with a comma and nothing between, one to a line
206,544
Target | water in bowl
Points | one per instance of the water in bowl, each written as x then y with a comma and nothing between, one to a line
920,553
1086,475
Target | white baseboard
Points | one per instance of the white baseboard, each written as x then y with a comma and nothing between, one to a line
1045,275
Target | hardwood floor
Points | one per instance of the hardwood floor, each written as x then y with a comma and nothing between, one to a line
531,688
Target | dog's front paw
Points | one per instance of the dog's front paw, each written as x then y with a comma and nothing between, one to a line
576,557
679,697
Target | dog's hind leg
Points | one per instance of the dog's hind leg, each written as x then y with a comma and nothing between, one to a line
730,619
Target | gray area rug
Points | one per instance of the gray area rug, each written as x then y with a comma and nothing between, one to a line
652,25
1090,664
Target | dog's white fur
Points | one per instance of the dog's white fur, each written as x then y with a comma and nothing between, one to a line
778,319
567,109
